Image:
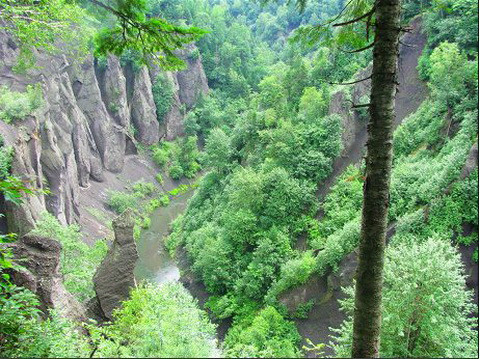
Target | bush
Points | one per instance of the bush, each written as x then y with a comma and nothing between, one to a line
17,105
164,200
175,171
162,90
121,201
159,178
78,261
160,156
146,222
24,334
143,189
158,321
426,307
304,309
265,335
6,156
295,272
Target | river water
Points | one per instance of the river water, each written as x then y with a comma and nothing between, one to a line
155,264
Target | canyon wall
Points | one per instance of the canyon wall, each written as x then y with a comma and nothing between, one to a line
92,117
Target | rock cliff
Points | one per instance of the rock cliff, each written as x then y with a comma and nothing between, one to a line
92,117
40,257
114,278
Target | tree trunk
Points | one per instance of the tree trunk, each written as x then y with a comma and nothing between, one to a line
369,278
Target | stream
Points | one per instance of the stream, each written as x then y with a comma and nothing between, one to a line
155,263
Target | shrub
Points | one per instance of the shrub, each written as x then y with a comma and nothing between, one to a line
143,189
162,90
17,105
164,200
120,201
146,222
160,156
158,321
175,171
426,307
294,272
303,309
159,178
266,335
79,261
24,334
6,156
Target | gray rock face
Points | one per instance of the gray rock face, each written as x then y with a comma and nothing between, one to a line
114,278
411,93
84,127
109,138
174,118
471,163
114,91
144,113
188,86
192,82
26,161
41,258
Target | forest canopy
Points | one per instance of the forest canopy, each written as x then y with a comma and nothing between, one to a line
278,201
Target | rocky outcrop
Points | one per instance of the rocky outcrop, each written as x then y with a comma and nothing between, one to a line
144,114
173,119
188,86
114,278
192,82
40,256
109,137
471,164
93,115
26,160
324,291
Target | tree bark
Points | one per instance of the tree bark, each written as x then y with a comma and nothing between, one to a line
369,278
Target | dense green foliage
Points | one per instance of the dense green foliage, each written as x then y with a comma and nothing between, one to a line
283,128
269,142
266,335
180,158
254,228
112,27
426,311
23,333
79,261
16,106
158,322
162,90
155,322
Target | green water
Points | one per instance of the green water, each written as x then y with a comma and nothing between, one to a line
155,264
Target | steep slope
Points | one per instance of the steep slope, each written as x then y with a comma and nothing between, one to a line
92,118
325,290
411,93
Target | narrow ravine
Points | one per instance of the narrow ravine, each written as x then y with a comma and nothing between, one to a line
155,263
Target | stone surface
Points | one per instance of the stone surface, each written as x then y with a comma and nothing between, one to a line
192,81
41,258
109,136
85,127
144,114
471,163
114,277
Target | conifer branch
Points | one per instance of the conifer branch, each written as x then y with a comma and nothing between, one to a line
350,83
368,14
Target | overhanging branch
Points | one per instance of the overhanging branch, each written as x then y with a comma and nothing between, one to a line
359,50
370,13
351,83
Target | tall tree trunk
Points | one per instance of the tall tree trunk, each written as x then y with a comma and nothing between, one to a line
369,278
